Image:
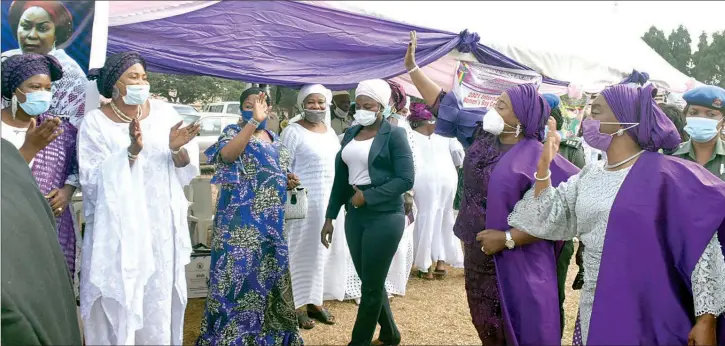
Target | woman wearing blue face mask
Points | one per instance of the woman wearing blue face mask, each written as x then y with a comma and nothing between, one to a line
704,115
46,143
372,171
250,296
134,159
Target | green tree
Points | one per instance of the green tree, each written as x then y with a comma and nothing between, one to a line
190,89
709,60
675,48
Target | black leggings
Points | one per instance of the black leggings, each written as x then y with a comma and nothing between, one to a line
373,239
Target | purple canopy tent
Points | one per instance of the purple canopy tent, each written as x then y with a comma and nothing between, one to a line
288,43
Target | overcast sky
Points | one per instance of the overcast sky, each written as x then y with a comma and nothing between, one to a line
629,17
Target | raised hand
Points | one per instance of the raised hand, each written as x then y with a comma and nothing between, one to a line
134,131
551,144
410,54
260,108
180,136
38,137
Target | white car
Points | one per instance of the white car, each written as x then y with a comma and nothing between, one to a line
222,107
212,125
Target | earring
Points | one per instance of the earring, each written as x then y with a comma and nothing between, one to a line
14,105
518,129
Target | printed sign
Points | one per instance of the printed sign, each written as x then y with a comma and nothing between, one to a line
480,85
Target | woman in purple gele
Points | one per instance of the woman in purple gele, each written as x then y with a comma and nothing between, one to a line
652,225
512,296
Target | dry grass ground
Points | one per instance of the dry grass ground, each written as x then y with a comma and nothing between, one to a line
431,313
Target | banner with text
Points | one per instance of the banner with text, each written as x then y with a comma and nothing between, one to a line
480,85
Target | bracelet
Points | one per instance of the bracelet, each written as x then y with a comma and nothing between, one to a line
175,152
132,156
548,175
416,68
253,122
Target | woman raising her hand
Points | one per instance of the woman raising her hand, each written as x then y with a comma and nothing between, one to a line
250,294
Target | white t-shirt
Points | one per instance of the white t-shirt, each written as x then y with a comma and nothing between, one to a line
15,135
355,155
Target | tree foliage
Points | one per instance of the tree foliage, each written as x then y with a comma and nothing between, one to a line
707,64
190,89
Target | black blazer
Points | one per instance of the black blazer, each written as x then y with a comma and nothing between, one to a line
390,165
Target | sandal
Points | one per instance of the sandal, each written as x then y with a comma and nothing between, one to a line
440,273
303,321
321,315
378,342
425,275
578,281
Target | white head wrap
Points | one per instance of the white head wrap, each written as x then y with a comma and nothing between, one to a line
310,89
377,89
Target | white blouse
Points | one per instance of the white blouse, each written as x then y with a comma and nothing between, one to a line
355,155
580,207
15,135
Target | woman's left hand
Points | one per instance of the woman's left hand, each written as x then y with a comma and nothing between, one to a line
59,199
292,181
180,136
492,241
358,200
703,333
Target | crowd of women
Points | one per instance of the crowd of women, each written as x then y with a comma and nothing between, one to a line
393,169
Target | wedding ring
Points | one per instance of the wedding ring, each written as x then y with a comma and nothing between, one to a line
59,210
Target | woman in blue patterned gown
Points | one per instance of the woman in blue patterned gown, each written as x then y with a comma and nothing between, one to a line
250,297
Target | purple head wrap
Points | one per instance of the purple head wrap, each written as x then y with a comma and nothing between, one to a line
17,69
419,112
637,105
113,69
398,95
530,108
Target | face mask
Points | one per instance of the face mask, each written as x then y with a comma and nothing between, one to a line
598,140
701,130
340,113
493,123
136,94
365,118
36,103
247,116
315,116
387,112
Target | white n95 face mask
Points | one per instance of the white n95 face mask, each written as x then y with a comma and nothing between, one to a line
365,117
493,123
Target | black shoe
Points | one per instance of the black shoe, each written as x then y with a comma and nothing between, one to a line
578,281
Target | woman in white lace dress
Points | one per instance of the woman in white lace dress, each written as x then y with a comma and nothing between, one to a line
318,273
654,267
134,161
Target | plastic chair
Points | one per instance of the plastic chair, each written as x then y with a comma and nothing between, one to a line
201,213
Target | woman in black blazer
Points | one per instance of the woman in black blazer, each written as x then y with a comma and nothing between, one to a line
372,171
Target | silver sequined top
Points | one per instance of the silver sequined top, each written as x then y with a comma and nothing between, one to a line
580,207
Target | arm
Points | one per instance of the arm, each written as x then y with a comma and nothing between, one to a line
235,147
427,88
708,282
404,175
340,187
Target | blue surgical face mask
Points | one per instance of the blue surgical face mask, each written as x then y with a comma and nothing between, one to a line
136,94
247,116
387,112
701,130
36,103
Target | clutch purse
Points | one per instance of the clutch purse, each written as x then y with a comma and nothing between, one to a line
296,206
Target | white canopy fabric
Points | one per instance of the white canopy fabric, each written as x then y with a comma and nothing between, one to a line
592,51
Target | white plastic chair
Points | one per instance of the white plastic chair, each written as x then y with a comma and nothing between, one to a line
201,213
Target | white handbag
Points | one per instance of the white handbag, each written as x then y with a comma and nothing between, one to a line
296,206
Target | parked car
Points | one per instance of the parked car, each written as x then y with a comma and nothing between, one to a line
222,107
212,125
188,113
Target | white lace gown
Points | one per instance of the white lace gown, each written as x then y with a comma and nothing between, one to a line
580,207
436,181
317,273
136,243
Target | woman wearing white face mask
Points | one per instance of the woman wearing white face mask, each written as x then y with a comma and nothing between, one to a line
704,113
134,160
46,143
317,273
372,171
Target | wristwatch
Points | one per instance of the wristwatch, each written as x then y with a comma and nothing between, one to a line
510,244
253,122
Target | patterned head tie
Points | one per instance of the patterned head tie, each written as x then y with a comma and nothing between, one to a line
107,76
17,69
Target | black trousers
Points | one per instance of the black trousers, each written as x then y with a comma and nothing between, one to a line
373,239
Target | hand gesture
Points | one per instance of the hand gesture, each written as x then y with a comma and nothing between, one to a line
178,136
410,54
38,137
58,200
292,181
492,241
703,333
260,108
551,145
358,200
326,234
134,131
